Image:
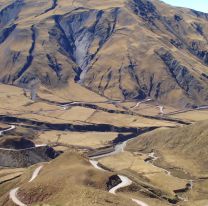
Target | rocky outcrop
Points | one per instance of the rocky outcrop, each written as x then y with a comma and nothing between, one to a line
10,13
6,32
113,181
178,17
16,143
177,43
199,28
77,38
200,14
205,75
180,73
201,54
26,157
144,9
54,65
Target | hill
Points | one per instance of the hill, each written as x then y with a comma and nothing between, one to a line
68,180
180,147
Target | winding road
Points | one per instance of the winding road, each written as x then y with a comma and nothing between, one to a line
13,192
139,202
119,148
6,130
35,173
152,157
95,165
13,197
138,104
125,181
161,108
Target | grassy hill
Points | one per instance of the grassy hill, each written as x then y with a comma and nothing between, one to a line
185,145
68,180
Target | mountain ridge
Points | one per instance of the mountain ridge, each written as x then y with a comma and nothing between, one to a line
131,49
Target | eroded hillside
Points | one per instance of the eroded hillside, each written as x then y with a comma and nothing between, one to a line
123,49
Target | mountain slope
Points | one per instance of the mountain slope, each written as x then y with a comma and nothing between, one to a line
188,143
124,49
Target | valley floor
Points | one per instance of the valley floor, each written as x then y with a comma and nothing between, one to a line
98,140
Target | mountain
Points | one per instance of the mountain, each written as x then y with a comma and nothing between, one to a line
121,49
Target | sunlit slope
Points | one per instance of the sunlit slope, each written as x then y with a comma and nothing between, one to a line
124,49
68,180
186,146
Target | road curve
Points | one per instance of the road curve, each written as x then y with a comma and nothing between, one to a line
13,197
35,173
138,103
152,157
13,192
139,202
119,148
125,181
95,165
6,130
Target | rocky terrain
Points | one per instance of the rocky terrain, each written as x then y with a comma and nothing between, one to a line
26,157
158,51
103,103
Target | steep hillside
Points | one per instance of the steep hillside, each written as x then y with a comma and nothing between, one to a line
182,145
68,180
124,49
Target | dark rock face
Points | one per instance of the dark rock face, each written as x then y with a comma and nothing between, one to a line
200,14
205,75
144,9
199,28
201,54
18,143
10,13
178,17
113,181
51,153
6,32
54,65
26,157
76,38
177,43
180,73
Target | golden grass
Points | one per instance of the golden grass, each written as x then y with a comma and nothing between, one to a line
193,115
156,176
85,139
126,120
69,180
